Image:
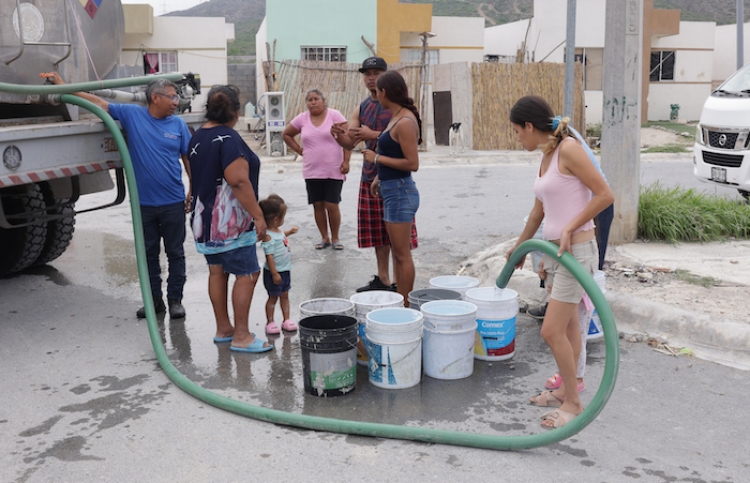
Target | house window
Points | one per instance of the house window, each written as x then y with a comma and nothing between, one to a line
662,65
159,62
329,54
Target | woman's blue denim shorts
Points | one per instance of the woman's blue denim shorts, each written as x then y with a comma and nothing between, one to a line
239,262
400,199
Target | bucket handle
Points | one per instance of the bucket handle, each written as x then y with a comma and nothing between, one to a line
369,356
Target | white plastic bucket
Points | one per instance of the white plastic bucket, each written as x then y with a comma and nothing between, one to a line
366,302
459,283
595,326
497,310
394,346
326,306
448,340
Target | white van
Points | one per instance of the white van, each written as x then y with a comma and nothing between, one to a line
722,149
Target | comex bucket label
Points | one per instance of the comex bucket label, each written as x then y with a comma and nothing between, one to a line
497,337
332,371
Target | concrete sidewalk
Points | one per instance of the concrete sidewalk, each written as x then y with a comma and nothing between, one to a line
725,340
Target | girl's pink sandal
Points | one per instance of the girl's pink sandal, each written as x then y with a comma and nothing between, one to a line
288,325
272,328
555,381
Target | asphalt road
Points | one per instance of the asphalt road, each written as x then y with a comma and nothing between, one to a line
83,398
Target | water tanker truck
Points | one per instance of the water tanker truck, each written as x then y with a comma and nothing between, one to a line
52,154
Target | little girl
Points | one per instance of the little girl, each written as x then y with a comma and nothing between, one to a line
276,272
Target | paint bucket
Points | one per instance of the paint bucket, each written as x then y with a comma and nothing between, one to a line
459,283
394,346
329,354
448,340
496,322
366,302
595,326
326,306
424,295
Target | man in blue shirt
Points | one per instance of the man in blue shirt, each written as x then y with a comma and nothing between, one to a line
156,140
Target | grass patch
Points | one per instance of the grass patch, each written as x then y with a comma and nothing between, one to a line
674,127
668,148
677,214
594,130
688,277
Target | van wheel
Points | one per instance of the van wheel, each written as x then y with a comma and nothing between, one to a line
59,232
745,194
20,247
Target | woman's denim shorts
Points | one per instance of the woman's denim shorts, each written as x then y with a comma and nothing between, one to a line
400,199
239,262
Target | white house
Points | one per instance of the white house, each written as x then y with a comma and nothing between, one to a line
177,44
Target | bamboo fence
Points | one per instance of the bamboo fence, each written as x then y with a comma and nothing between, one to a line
340,82
497,86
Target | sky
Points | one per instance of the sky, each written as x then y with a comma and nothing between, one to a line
165,6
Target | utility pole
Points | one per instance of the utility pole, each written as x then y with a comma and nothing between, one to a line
740,34
423,99
570,59
621,113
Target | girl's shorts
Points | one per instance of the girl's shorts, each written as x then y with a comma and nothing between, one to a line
400,199
565,287
328,190
274,288
239,262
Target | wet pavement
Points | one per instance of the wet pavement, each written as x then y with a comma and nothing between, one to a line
84,400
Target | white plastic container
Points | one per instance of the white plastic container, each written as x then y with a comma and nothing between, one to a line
497,310
595,326
448,339
459,283
326,306
394,346
366,302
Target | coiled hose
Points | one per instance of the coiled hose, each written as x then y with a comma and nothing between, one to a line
328,424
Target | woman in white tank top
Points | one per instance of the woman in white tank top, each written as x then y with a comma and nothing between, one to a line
569,192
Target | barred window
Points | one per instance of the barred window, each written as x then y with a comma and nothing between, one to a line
662,65
160,62
326,53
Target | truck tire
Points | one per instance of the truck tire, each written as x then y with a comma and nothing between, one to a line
746,194
20,247
59,232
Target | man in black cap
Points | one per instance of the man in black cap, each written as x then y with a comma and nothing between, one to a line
367,123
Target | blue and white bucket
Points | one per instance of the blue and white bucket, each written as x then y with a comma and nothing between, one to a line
394,346
448,339
497,310
595,326
366,302
459,283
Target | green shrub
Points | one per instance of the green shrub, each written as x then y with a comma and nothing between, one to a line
594,130
676,214
668,148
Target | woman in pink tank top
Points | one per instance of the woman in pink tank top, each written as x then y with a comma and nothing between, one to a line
569,192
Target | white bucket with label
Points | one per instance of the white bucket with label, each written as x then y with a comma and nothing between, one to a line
326,306
448,340
366,302
394,346
497,310
595,326
459,283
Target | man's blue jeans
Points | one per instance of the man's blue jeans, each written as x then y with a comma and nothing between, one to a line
167,223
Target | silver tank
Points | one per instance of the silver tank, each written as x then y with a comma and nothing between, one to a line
58,35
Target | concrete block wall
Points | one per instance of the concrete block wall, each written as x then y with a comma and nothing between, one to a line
243,76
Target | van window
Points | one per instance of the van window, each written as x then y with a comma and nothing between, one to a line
739,81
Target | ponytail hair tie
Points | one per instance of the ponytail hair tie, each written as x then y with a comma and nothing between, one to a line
556,122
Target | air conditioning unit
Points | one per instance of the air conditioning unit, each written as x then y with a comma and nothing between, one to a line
275,123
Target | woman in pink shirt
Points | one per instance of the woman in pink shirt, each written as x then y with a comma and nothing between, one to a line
324,164
569,192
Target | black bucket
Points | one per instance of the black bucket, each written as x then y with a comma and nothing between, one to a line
424,295
329,354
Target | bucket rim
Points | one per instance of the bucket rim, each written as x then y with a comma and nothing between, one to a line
397,297
415,314
490,294
470,308
471,281
350,304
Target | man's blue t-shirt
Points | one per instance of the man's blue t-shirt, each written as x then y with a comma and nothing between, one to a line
219,221
155,147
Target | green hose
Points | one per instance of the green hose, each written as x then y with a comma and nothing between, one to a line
343,426
85,86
